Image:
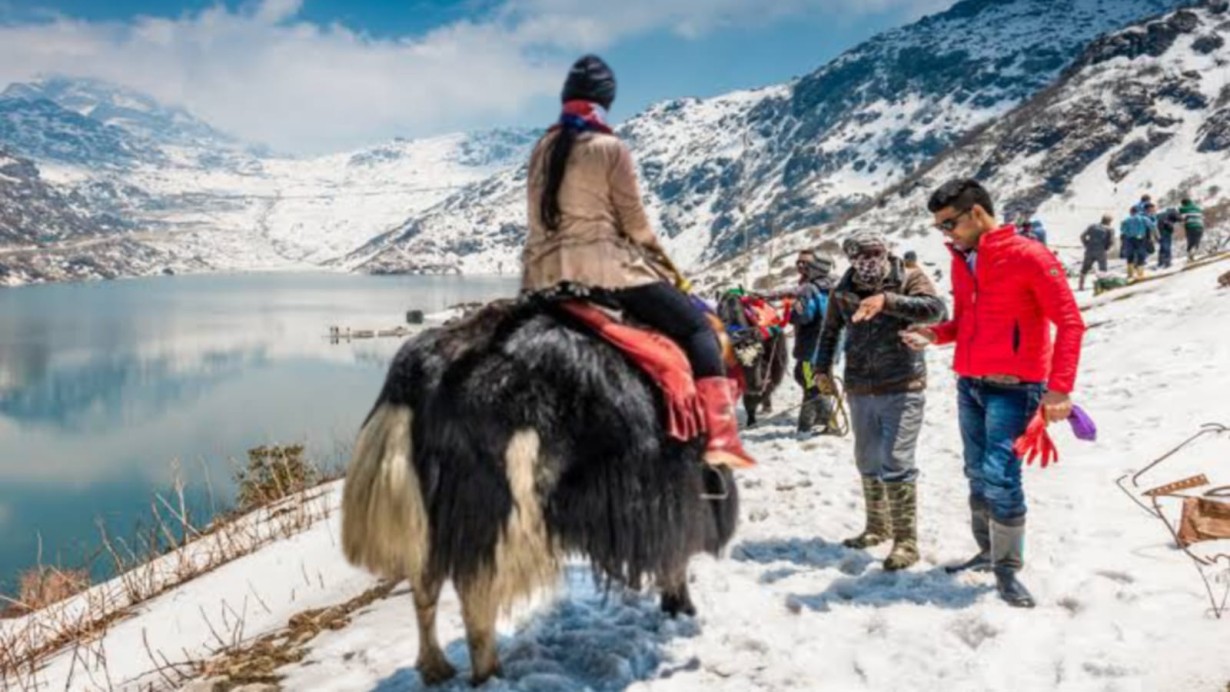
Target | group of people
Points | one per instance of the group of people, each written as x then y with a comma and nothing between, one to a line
1144,232
587,226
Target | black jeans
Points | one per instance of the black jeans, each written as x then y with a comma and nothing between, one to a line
668,310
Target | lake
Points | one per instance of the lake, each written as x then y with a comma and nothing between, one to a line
106,387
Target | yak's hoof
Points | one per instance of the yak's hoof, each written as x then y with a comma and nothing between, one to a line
478,678
435,670
675,606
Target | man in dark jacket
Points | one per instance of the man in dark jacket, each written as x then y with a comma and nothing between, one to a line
873,303
811,298
1097,240
1167,222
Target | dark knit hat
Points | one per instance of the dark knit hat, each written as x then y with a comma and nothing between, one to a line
814,264
590,79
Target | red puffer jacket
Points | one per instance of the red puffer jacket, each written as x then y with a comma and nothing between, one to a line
1003,311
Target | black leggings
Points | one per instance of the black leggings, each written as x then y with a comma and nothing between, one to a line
666,309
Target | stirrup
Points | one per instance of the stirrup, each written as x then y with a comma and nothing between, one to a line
725,492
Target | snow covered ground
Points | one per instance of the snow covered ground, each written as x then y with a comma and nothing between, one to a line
789,608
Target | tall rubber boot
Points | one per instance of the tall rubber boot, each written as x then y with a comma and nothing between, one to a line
1008,558
903,513
809,413
717,400
980,527
875,504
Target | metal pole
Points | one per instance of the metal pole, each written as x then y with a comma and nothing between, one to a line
747,242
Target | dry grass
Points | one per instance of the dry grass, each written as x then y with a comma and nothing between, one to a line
256,662
42,586
237,662
285,497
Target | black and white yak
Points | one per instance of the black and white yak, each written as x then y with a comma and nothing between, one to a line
764,360
506,441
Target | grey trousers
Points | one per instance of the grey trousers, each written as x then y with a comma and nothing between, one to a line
886,428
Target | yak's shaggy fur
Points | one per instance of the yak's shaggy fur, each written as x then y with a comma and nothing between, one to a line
766,369
507,440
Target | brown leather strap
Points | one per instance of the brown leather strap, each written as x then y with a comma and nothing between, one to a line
1185,484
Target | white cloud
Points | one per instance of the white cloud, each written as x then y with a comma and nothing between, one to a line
267,77
274,11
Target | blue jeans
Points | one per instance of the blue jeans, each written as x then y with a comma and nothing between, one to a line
1165,249
992,417
1135,251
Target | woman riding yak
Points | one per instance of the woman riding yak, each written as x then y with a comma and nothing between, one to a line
587,227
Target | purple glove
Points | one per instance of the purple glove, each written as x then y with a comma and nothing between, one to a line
1082,425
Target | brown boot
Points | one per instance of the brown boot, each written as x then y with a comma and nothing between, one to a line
717,400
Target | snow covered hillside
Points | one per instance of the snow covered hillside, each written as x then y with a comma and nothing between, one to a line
789,608
199,199
1143,110
778,159
718,174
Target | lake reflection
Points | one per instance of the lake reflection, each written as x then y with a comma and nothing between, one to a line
104,386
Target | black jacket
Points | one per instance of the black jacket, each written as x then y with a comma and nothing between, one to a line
1097,240
877,361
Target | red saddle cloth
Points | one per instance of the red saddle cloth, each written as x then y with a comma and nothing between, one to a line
660,358
762,316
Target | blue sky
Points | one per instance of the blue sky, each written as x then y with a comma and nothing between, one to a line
321,75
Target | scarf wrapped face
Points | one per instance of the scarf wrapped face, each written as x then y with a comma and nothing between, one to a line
870,268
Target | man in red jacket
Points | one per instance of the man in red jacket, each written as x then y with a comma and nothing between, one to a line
1007,292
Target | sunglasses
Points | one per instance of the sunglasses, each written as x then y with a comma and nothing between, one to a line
950,225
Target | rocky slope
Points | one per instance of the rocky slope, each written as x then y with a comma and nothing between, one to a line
720,173
1145,110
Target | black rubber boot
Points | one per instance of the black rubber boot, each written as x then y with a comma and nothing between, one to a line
809,414
1007,559
979,524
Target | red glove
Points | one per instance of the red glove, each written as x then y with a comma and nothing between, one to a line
1036,444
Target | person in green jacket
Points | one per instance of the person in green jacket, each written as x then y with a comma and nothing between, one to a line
1193,226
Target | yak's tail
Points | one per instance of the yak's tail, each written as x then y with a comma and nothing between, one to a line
384,519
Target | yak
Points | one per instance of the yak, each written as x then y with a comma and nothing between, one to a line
506,441
763,359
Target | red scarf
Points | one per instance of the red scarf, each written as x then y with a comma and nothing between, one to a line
583,116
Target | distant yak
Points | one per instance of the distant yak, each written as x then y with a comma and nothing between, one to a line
764,359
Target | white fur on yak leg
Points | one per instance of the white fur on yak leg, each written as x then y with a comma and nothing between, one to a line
384,521
525,559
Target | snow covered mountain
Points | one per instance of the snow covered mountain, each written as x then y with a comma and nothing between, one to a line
200,196
752,164
42,129
719,174
36,216
32,211
130,111
1143,110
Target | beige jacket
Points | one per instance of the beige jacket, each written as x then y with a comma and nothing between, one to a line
604,239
